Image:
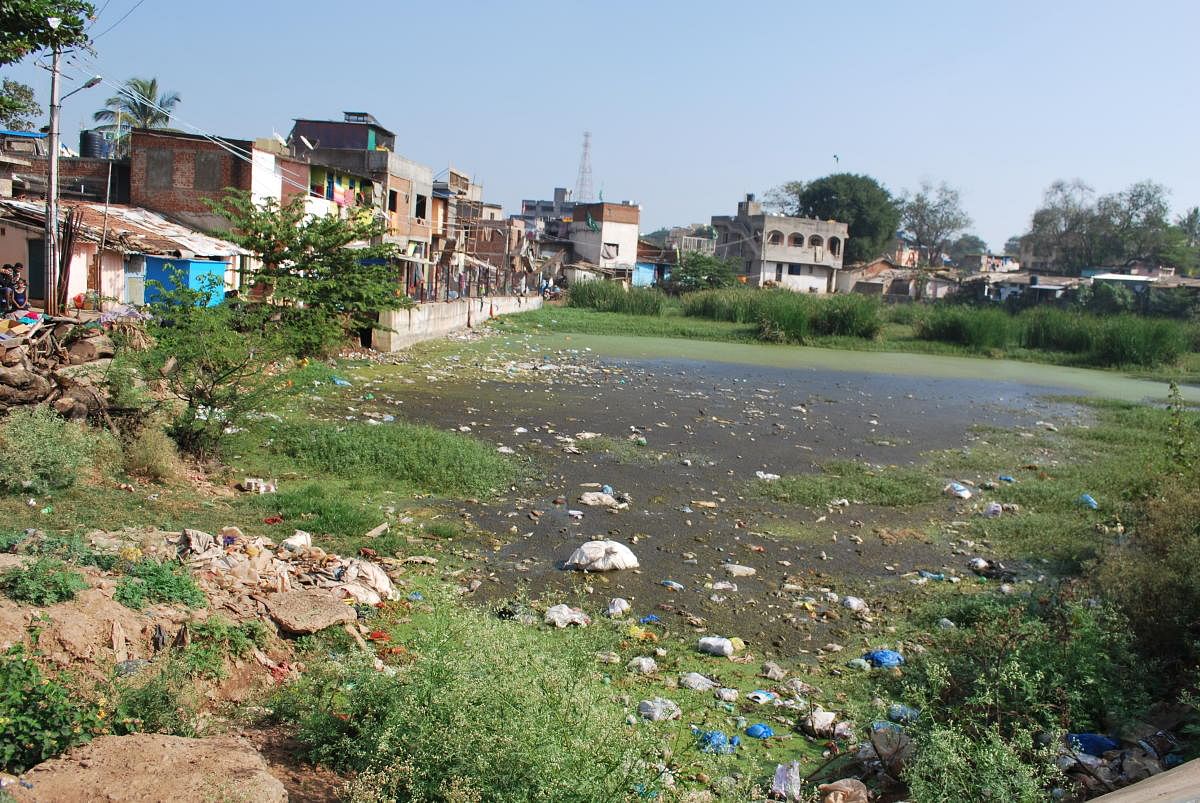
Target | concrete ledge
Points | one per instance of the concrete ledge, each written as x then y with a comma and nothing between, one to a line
439,318
1180,785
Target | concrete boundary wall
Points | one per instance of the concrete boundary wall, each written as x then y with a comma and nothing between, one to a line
439,318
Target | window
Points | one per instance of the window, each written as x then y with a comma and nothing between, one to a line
421,214
796,241
207,175
815,241
835,246
795,270
775,238
393,199
160,168
779,271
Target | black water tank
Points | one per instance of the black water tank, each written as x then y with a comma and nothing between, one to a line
93,145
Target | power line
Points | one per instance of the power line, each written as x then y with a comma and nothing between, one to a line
124,17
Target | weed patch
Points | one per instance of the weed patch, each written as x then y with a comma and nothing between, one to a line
41,716
216,638
44,451
886,486
415,457
44,581
150,581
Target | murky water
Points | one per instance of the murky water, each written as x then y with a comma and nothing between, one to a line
1052,378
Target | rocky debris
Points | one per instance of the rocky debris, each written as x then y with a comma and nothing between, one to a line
242,566
37,351
154,767
303,612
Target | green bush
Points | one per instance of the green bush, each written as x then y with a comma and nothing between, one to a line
1134,340
1053,329
159,699
149,581
151,454
488,711
733,304
415,456
848,315
216,638
39,716
44,581
784,317
952,764
969,326
44,451
606,296
887,487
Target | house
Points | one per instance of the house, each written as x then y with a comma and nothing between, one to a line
561,207
177,175
698,238
1002,286
654,263
882,277
402,190
114,249
990,263
800,254
1136,283
606,234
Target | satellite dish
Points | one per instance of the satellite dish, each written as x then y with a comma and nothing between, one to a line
279,138
307,144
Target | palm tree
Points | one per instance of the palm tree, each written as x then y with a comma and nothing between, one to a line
137,104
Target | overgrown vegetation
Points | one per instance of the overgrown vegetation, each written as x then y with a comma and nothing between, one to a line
1113,340
856,482
40,716
43,581
412,456
614,297
214,639
488,710
149,581
44,451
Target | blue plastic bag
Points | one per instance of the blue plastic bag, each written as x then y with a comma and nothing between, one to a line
649,619
715,741
885,659
760,731
902,714
1089,501
1094,744
341,383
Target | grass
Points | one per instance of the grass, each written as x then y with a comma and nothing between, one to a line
412,456
215,639
886,486
671,324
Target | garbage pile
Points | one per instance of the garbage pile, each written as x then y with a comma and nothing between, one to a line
40,355
237,569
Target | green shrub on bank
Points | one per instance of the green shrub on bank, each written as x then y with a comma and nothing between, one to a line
848,315
1052,329
150,581
973,327
45,581
41,717
488,711
43,451
733,304
605,296
411,455
1134,340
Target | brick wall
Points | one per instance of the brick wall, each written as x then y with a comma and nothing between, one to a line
164,169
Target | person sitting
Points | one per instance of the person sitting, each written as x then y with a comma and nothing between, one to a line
6,288
20,292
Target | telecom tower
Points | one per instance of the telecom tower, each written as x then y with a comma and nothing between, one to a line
583,184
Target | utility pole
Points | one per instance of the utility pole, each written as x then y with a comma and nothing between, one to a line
51,250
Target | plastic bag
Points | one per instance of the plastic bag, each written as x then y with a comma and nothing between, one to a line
618,607
602,556
715,645
564,615
885,659
658,709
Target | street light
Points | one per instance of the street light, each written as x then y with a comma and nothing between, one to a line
51,258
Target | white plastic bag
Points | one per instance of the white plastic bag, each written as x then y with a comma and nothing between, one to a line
715,645
602,556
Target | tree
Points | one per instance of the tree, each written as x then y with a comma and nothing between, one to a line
17,106
932,217
25,26
861,202
1065,229
964,245
308,262
701,272
1012,246
1189,224
138,104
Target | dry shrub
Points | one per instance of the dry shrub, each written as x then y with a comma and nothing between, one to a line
152,455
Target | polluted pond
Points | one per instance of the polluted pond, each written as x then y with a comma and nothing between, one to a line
619,578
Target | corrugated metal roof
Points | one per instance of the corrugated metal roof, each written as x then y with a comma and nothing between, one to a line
130,229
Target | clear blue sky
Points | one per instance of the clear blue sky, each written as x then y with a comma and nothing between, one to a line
692,104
